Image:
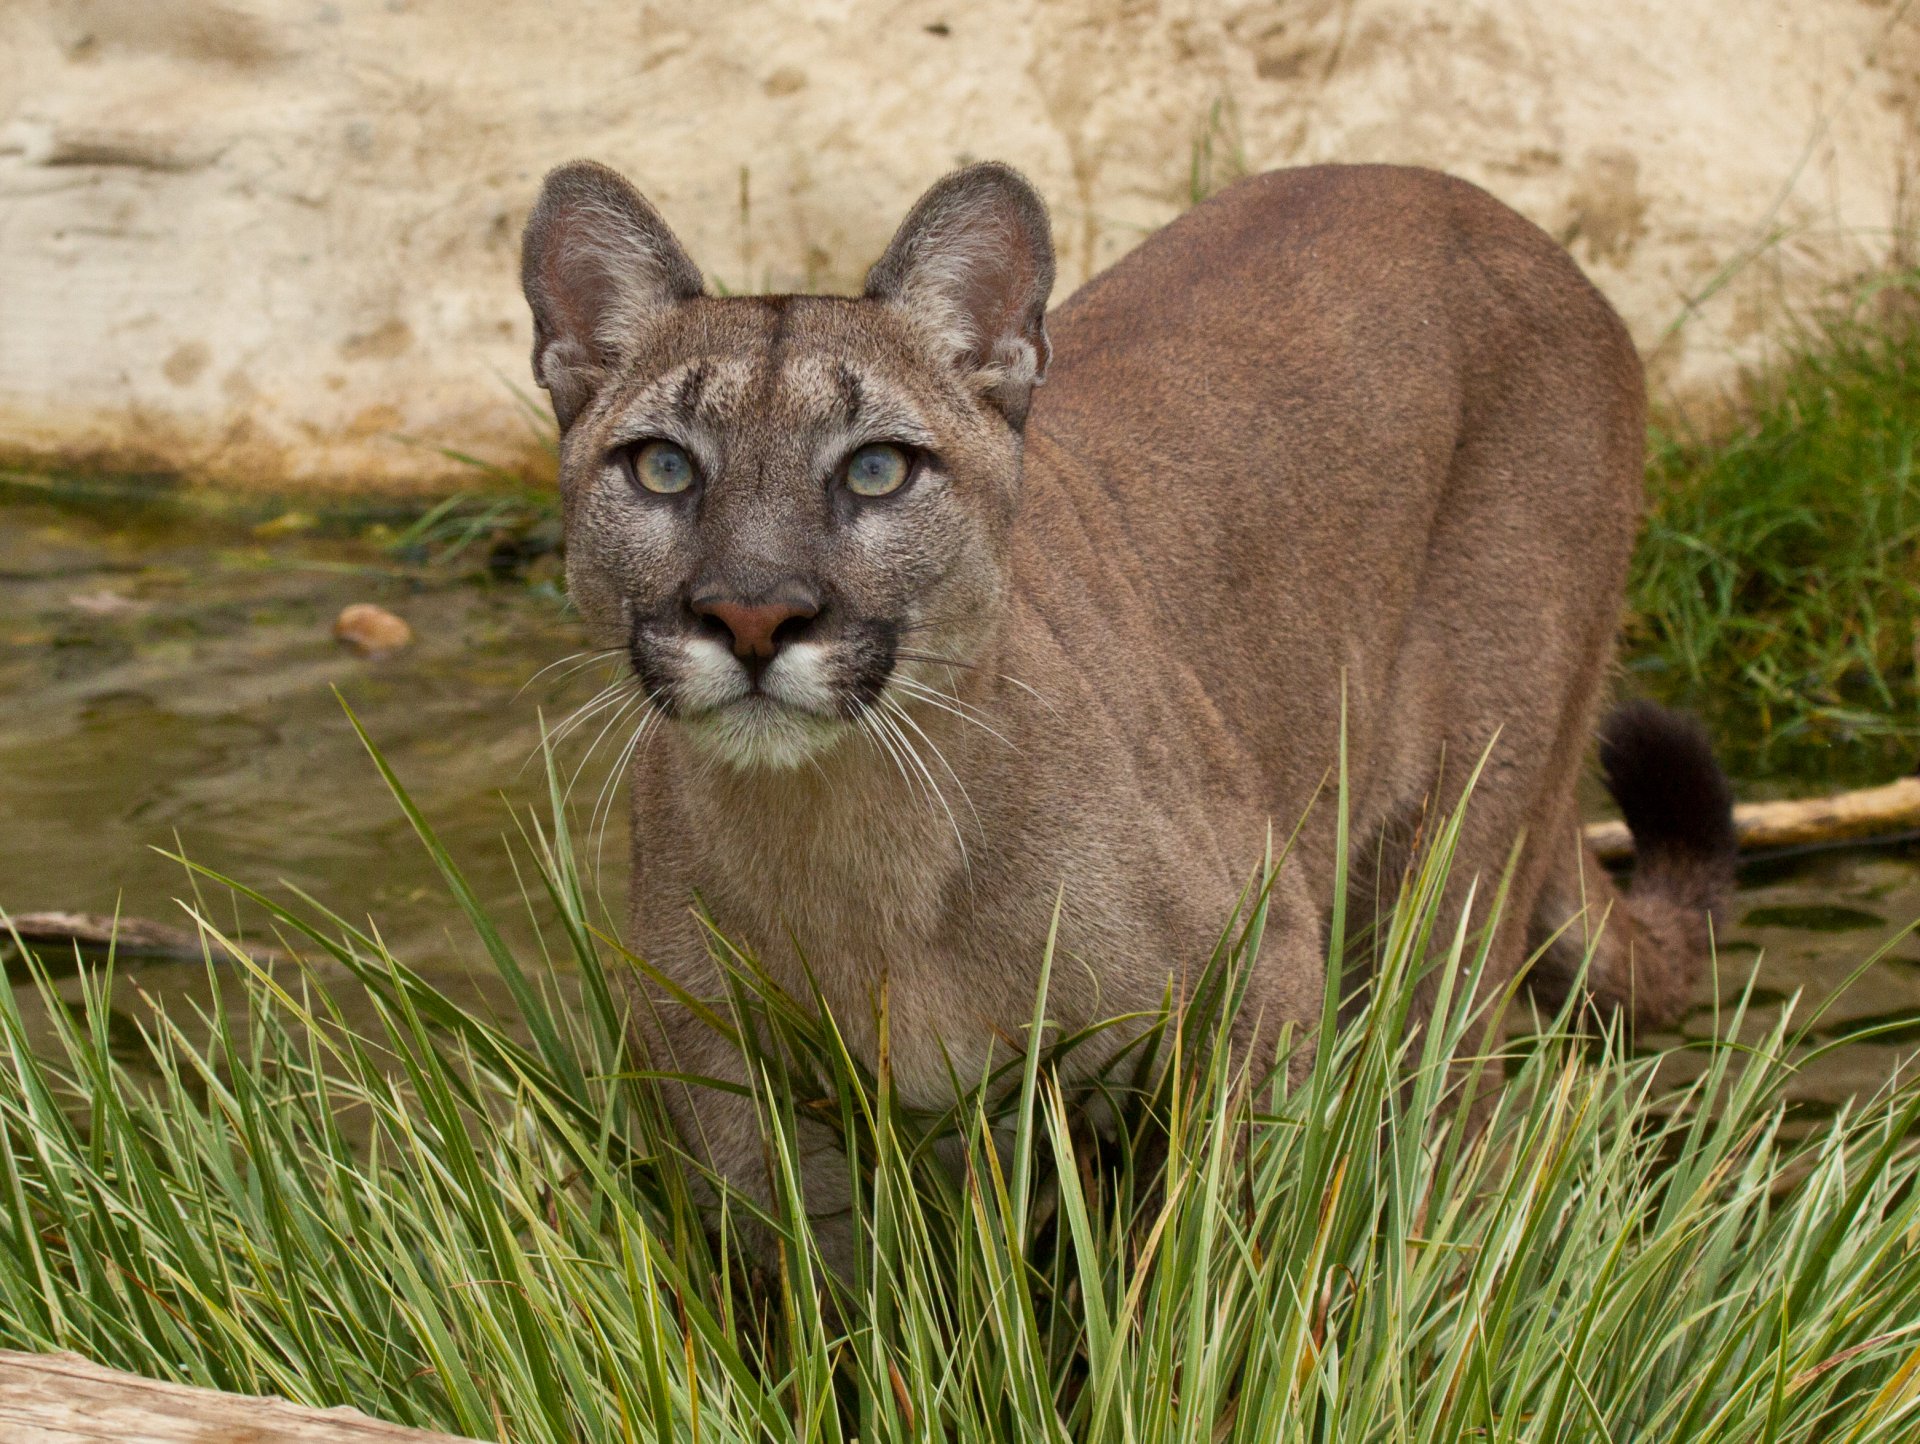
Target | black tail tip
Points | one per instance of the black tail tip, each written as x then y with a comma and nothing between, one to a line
1659,766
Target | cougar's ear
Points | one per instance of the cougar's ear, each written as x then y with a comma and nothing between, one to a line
972,267
597,264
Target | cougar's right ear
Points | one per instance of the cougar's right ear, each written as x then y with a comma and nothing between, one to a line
971,267
597,264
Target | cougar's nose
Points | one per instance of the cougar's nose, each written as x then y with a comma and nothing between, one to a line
757,630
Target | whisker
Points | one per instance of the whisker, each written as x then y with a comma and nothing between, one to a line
934,660
902,715
883,732
869,724
936,698
1016,682
887,733
586,715
627,704
932,786
928,623
607,801
606,697
581,661
610,784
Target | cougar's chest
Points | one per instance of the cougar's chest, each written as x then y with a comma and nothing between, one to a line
896,970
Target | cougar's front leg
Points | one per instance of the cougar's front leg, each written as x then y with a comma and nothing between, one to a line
724,1132
1285,984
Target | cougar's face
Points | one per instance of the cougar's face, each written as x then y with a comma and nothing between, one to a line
778,507
781,506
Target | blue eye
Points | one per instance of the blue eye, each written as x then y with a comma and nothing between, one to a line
877,470
661,467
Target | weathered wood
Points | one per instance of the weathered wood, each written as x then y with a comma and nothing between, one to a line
97,930
63,1399
129,937
1845,817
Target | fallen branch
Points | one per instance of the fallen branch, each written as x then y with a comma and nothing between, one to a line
1845,817
63,1399
97,930
128,937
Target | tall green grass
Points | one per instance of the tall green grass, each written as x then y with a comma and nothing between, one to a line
1777,584
492,1230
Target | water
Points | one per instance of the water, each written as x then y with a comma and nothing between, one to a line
169,681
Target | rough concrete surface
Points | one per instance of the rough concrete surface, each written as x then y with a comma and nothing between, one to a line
260,242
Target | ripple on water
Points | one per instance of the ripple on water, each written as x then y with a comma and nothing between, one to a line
1813,918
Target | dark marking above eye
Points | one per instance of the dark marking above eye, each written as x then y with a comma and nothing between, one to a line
851,395
775,357
692,386
782,316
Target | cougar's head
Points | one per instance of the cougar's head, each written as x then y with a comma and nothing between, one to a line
777,505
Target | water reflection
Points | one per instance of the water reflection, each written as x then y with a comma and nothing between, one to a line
198,713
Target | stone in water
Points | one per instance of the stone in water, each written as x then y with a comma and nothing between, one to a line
371,631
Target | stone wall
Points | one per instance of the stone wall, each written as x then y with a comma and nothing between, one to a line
266,242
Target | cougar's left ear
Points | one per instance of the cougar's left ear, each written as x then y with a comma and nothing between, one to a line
598,265
972,267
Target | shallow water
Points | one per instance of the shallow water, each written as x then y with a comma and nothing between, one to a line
169,681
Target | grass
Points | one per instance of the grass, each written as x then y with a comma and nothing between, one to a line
492,1231
502,528
1777,584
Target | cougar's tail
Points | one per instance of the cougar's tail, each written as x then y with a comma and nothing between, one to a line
1654,941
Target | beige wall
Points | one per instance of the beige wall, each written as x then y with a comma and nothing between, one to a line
254,242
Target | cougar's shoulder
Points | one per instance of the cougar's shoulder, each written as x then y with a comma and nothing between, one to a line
1276,387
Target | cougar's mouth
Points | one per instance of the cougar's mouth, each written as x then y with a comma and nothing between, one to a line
776,711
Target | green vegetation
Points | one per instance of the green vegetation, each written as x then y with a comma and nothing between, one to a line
491,1231
1778,583
497,534
503,529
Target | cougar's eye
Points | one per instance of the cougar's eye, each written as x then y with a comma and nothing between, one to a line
877,470
660,467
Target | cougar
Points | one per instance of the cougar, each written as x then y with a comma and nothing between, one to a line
926,648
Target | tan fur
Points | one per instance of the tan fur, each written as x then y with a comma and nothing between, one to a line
1355,430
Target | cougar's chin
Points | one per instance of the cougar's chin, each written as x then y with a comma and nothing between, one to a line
760,733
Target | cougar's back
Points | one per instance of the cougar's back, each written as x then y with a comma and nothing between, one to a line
1342,428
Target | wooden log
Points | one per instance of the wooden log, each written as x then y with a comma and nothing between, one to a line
1845,817
63,1399
53,936
97,930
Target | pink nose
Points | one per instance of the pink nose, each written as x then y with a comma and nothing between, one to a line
755,629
